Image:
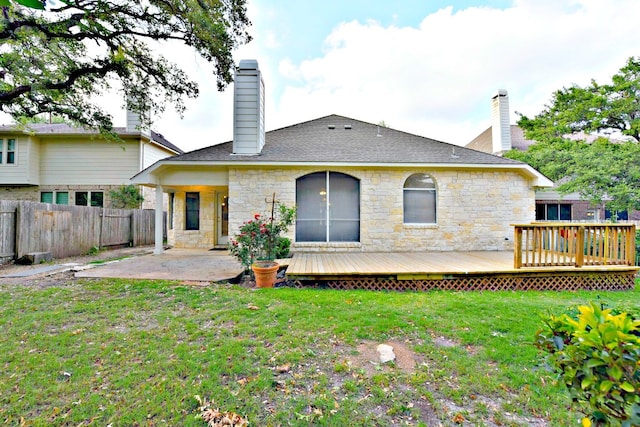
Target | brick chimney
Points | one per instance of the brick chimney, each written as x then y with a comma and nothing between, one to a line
248,109
500,123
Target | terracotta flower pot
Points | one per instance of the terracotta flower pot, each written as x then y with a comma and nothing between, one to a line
265,273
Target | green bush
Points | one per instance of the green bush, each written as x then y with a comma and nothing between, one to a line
597,356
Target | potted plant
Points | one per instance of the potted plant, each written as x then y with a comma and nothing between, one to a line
260,242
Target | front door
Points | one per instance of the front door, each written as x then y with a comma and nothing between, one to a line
223,218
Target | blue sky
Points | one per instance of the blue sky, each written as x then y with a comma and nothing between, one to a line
428,67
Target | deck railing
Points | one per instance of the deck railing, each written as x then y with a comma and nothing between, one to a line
573,244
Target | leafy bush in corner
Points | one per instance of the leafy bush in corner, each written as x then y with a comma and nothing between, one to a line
126,197
597,355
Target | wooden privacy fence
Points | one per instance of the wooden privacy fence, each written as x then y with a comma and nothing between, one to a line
63,230
574,244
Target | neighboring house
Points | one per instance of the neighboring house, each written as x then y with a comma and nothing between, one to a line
357,186
57,163
502,136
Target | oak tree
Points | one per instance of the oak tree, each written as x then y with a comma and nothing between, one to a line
58,54
588,140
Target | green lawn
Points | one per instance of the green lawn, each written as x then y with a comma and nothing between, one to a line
126,353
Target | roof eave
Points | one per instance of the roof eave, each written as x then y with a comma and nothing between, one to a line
538,179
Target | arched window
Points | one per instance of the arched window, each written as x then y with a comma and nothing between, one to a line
328,208
419,199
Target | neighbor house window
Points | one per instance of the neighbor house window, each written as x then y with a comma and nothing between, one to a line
328,208
616,215
11,151
553,212
90,198
46,197
192,211
60,197
419,199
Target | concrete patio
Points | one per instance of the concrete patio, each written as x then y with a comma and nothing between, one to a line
173,264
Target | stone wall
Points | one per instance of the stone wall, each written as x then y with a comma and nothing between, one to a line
474,208
203,238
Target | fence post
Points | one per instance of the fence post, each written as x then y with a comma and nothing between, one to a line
132,229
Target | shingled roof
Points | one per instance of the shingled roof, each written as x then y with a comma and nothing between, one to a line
65,129
338,139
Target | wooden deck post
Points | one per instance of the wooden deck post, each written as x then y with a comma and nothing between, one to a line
630,246
517,249
580,247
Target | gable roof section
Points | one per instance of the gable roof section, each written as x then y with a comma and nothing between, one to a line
342,141
338,139
65,129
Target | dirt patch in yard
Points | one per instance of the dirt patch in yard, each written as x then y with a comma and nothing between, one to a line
368,359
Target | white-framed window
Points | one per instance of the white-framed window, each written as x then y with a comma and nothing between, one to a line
553,212
90,198
57,197
8,151
419,199
192,211
328,208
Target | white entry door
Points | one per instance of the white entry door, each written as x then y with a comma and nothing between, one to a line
223,218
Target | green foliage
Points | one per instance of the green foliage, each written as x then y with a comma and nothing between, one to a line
34,4
602,171
262,237
57,60
126,197
597,354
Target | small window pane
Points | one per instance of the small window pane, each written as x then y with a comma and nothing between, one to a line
172,197
11,151
540,212
82,198
1,149
62,198
553,212
192,221
565,212
419,180
46,197
419,207
97,199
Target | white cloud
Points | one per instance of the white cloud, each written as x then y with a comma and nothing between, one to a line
437,80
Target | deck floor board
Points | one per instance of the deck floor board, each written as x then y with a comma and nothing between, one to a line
385,263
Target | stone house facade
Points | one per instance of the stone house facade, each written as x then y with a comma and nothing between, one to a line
357,186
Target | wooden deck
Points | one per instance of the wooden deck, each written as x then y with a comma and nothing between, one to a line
448,270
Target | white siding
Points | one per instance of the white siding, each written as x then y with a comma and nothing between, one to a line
151,153
248,109
88,162
25,169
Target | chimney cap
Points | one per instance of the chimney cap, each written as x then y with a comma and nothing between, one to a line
248,64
